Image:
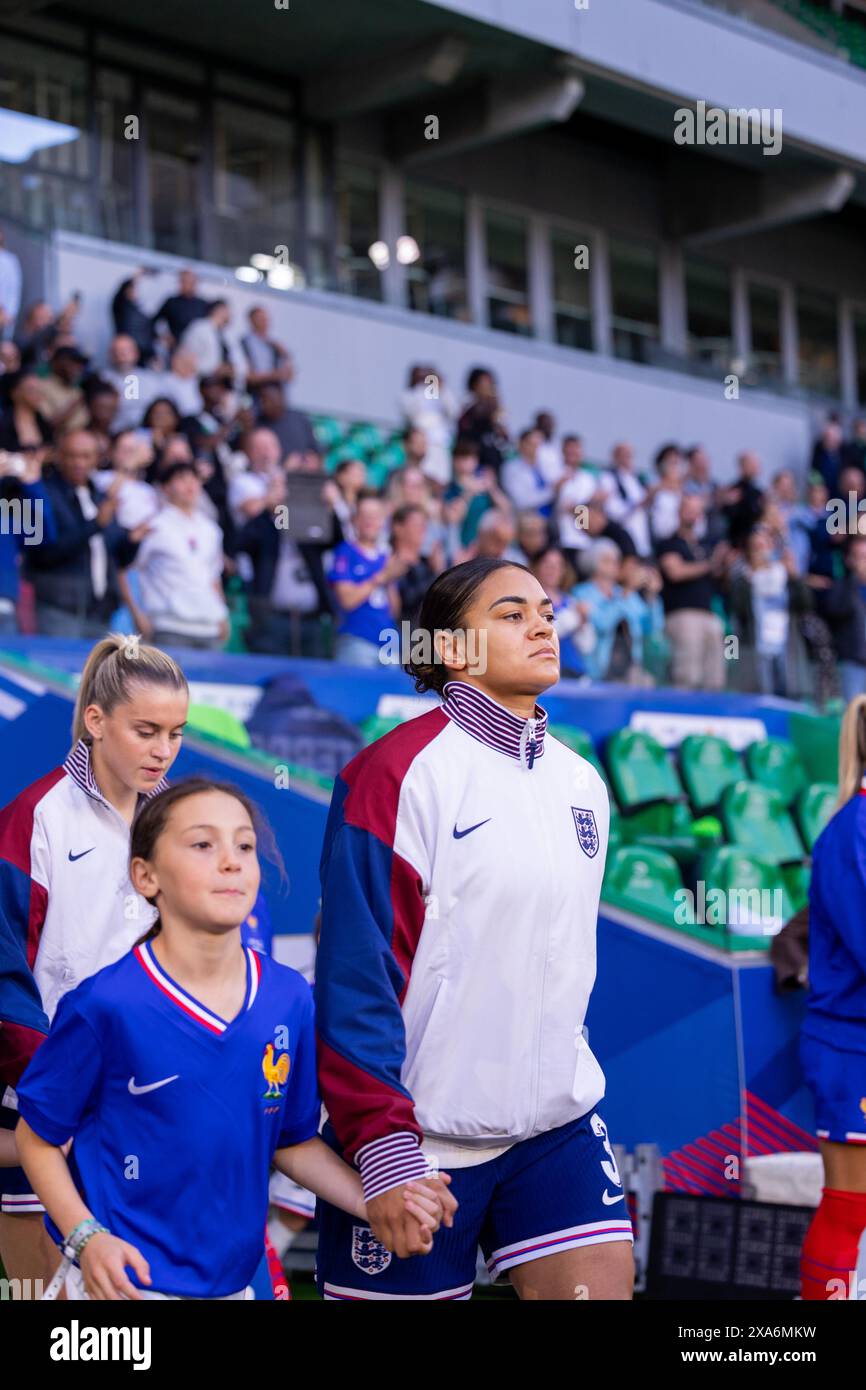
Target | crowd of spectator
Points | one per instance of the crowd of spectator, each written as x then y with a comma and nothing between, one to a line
163,472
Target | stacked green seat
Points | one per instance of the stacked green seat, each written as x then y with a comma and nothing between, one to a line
757,819
364,437
814,807
641,772
708,764
579,741
375,725
650,795
328,431
644,881
745,896
776,763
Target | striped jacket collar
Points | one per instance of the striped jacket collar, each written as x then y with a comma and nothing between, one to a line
80,768
488,721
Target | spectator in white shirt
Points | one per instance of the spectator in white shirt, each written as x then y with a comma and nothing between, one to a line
181,383
628,499
212,347
263,483
666,494
129,457
550,459
10,289
575,490
179,566
429,405
523,479
137,387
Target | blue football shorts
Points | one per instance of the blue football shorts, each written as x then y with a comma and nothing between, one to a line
558,1191
837,1079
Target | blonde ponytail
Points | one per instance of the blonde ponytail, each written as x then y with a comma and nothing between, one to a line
115,664
852,749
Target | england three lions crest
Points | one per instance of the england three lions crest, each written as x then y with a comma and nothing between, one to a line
587,830
368,1253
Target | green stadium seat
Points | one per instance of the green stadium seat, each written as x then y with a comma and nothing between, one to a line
740,876
375,725
579,741
339,454
776,763
614,838
644,881
815,805
796,877
756,818
328,431
667,826
217,723
365,437
640,770
708,765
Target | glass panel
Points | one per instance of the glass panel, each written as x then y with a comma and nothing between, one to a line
44,148
571,302
356,193
634,300
765,361
173,137
115,156
708,305
256,204
435,220
318,210
256,91
819,343
507,275
860,346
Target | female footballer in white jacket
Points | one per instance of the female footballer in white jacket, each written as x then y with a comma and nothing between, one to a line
461,875
67,907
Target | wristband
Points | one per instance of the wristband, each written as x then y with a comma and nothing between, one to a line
78,1238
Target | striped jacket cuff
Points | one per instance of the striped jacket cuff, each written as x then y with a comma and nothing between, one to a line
390,1161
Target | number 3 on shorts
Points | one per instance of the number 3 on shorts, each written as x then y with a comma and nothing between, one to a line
610,1170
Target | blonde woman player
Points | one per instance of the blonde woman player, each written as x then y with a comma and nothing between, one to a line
833,1036
67,906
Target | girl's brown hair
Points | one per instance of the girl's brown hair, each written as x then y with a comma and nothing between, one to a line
152,819
113,667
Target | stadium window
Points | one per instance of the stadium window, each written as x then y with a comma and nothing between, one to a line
817,333
174,133
45,160
356,199
507,274
572,313
708,309
255,194
860,349
634,286
436,223
765,358
115,157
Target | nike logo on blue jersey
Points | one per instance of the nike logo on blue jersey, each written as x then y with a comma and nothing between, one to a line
154,1085
609,1201
458,834
73,857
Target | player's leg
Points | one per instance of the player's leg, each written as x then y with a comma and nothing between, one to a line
592,1272
831,1250
558,1224
28,1253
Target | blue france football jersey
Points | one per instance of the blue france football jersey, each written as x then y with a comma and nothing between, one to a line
176,1113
